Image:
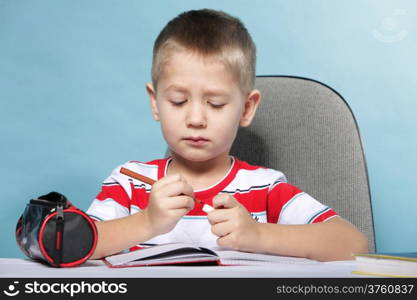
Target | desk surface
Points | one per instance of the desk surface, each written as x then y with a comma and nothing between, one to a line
19,268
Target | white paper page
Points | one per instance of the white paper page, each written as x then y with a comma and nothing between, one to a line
173,260
246,258
227,256
123,258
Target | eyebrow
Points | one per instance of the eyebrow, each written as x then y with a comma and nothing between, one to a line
207,92
176,88
219,93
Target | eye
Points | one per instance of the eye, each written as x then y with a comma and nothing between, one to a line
216,106
177,102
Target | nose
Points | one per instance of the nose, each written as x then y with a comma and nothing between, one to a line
196,115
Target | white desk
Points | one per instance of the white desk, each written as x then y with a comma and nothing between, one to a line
20,268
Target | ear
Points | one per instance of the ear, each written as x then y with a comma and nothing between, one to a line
251,104
152,100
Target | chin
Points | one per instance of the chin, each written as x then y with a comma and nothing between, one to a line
194,157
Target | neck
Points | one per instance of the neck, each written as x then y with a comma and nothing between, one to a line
200,171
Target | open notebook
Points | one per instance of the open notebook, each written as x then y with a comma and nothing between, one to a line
181,253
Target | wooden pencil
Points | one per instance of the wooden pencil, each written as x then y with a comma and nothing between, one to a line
207,208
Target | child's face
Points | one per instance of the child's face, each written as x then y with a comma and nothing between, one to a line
200,106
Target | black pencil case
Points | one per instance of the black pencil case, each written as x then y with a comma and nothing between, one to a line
54,231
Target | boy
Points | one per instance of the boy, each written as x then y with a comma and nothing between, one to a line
202,91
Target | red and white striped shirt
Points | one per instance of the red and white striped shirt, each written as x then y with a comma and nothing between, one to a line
264,192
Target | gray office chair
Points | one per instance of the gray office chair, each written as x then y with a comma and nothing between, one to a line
306,130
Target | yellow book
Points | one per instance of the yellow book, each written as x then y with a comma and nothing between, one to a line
386,264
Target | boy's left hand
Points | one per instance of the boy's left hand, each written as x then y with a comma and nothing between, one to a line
233,224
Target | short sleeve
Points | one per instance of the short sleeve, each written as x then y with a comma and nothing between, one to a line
287,204
113,201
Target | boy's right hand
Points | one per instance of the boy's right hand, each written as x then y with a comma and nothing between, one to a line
171,198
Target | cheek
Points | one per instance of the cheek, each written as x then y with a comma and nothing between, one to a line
169,122
230,119
167,115
228,124
168,127
169,133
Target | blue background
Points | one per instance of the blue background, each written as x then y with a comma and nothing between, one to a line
73,100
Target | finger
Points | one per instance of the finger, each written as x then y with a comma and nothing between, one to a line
178,213
228,240
166,180
176,188
179,176
221,229
180,202
218,216
224,201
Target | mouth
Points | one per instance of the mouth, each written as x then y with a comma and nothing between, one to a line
196,140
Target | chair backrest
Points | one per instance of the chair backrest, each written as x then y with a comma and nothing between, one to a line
307,130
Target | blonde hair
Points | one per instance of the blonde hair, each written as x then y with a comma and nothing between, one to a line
209,33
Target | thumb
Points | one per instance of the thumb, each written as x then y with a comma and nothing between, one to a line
224,201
